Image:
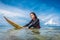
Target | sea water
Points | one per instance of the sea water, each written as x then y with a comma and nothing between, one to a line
26,34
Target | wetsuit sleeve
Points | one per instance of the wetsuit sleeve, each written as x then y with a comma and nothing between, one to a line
28,24
34,23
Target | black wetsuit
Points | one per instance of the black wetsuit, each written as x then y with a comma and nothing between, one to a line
34,24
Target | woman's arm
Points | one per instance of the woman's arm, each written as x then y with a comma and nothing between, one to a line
28,24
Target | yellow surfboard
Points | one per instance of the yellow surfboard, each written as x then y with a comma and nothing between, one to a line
13,23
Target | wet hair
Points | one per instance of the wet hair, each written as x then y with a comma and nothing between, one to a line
34,14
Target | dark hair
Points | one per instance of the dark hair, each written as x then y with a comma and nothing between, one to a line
34,14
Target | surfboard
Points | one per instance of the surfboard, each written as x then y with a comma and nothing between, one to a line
15,25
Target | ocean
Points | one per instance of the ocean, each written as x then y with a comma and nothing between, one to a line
48,33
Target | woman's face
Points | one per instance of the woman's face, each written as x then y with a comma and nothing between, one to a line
32,16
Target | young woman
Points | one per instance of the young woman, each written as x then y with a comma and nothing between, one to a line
34,21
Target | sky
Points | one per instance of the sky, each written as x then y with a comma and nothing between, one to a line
48,11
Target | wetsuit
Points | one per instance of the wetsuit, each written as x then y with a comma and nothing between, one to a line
34,24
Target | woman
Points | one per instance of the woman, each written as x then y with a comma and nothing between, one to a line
34,22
